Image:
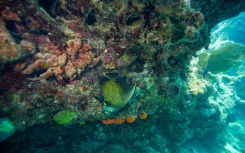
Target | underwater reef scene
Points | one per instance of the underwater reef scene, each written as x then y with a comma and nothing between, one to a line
125,76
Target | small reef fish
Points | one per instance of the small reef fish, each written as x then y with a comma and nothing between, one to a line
203,72
115,93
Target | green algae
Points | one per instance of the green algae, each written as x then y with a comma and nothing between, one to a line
64,117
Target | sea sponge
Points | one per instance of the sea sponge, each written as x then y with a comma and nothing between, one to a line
143,115
107,121
130,119
64,117
119,121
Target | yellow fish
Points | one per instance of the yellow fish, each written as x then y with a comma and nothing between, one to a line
115,93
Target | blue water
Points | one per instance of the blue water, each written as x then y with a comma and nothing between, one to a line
230,31
234,28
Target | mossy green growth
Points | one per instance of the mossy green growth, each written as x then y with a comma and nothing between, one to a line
126,59
64,117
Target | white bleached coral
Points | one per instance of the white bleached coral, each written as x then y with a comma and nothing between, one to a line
196,84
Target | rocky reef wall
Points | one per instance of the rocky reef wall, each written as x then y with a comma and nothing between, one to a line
53,54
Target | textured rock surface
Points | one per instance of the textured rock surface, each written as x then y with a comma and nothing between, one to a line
60,49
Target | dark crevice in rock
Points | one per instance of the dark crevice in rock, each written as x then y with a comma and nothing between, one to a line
91,19
150,7
10,25
132,19
217,11
49,6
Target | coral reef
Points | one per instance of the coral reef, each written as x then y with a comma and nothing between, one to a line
53,55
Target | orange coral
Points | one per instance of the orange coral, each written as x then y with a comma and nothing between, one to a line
131,119
20,66
107,121
70,69
73,47
86,48
36,65
10,15
119,121
143,115
70,62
